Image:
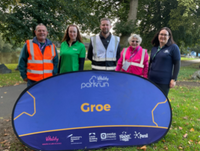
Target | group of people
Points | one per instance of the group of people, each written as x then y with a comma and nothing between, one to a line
39,58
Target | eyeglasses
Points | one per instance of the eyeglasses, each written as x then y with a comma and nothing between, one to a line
135,41
165,35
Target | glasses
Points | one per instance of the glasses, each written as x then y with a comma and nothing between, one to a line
165,35
135,41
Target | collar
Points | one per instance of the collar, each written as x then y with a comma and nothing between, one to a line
161,47
48,42
136,49
101,36
74,42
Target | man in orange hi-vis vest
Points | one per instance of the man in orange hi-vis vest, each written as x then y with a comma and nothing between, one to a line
39,58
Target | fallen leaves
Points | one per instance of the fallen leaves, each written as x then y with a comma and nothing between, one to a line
186,117
5,134
165,147
163,140
16,84
190,141
180,128
192,130
185,135
142,148
180,148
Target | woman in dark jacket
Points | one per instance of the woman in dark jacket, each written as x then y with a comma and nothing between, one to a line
164,60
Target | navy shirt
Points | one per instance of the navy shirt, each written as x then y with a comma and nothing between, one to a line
161,66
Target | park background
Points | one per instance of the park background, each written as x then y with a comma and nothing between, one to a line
18,19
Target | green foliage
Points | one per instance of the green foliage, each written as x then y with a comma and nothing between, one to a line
18,18
181,16
185,20
196,48
183,48
124,27
20,21
152,16
5,47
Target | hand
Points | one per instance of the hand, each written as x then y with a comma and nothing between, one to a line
172,83
26,79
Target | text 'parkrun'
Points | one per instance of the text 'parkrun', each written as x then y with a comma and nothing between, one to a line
86,107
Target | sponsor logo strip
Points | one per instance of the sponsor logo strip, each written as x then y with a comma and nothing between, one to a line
93,127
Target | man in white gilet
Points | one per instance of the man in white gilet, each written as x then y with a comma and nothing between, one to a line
104,48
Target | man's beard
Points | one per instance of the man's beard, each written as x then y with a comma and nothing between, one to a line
105,31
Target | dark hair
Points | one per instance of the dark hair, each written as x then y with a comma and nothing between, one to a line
155,40
66,36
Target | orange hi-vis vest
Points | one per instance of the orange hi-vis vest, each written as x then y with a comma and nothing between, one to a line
40,66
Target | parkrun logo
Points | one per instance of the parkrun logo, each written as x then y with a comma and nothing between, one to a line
140,136
96,81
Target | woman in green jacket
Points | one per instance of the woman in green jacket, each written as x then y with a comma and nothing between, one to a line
72,51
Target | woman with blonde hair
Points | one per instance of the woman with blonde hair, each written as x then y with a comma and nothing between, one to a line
134,59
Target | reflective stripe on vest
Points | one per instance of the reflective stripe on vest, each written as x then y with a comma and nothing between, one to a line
39,72
133,63
103,67
107,58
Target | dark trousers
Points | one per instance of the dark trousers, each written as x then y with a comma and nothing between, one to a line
30,82
164,88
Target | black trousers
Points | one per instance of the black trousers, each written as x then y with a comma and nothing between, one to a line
164,88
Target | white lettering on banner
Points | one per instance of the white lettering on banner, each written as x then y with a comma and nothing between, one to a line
140,136
96,81
92,137
108,136
74,139
124,137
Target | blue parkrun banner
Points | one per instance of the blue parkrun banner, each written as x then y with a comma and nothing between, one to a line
90,110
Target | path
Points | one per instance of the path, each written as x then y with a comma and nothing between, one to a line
189,62
8,97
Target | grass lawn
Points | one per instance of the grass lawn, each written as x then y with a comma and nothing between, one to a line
186,72
9,79
184,58
14,78
184,133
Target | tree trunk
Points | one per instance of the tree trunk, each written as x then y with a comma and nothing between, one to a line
131,16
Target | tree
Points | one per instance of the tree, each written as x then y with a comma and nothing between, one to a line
21,16
4,47
126,24
196,49
152,16
181,16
